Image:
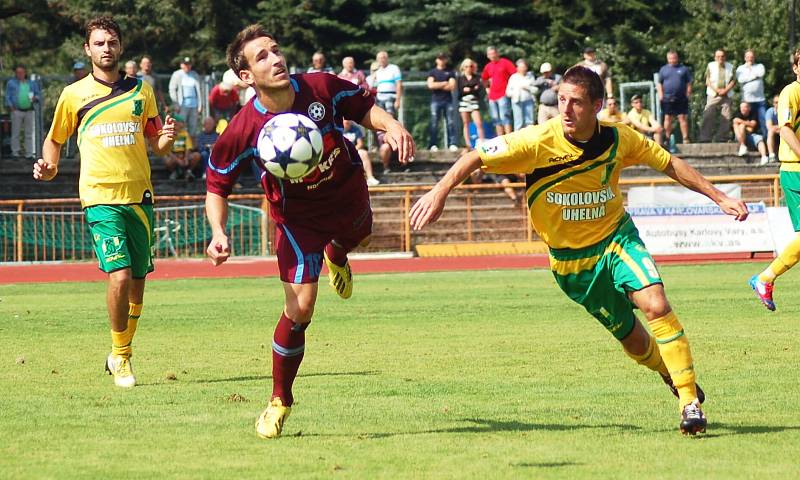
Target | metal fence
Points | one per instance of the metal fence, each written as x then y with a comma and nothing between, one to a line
55,230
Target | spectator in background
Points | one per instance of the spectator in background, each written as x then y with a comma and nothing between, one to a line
547,84
495,78
441,82
131,69
352,131
643,120
223,100
719,86
245,92
468,85
352,74
599,67
205,143
184,90
750,77
183,158
746,128
387,81
78,72
146,74
521,91
674,90
612,113
318,64
773,129
21,97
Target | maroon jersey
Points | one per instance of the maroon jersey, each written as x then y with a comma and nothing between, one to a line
329,189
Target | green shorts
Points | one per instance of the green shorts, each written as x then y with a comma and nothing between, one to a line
123,237
601,276
790,183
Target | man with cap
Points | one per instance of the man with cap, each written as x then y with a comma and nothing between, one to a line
78,71
184,90
643,120
599,67
547,83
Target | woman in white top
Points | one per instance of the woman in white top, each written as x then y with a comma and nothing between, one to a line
522,93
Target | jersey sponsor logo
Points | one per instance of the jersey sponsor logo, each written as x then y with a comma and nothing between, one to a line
563,158
316,111
116,134
495,146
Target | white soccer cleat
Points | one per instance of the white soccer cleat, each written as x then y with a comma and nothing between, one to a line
122,370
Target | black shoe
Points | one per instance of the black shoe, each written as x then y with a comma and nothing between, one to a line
693,420
701,395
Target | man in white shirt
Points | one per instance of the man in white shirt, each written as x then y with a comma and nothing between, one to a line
750,76
184,90
719,83
387,81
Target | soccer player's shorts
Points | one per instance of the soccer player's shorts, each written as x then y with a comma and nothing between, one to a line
790,182
601,276
299,247
123,237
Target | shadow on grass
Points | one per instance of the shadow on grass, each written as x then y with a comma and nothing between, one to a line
266,377
546,464
490,426
717,429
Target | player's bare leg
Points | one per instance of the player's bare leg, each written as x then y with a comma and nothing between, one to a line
288,347
677,356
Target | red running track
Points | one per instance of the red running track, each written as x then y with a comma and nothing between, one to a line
169,269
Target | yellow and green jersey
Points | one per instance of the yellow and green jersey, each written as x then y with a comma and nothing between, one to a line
572,187
183,142
110,120
789,115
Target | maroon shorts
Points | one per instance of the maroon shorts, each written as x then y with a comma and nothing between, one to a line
299,247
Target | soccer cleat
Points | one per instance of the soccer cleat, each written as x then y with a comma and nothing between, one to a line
763,292
340,278
701,395
122,370
270,422
693,421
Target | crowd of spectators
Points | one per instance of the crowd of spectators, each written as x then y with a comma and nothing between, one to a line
506,90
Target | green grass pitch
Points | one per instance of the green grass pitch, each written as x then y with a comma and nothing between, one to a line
428,375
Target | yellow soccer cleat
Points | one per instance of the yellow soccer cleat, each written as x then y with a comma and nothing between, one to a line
122,370
270,422
340,278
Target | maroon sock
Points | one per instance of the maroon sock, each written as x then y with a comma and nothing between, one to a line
288,345
336,254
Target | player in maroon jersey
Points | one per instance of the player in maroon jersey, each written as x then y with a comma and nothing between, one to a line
318,218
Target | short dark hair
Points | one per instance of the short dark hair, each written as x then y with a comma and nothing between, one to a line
235,53
586,78
102,23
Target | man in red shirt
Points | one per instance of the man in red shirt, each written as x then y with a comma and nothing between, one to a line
320,217
224,100
495,79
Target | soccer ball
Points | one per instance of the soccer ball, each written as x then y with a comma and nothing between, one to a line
290,146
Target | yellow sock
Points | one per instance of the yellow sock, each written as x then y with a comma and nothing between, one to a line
121,341
787,259
650,358
674,347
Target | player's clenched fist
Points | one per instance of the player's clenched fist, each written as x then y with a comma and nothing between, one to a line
168,130
218,249
44,171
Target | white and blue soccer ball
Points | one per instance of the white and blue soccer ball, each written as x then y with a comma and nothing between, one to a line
290,146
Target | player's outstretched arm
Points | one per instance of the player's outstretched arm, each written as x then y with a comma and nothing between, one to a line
686,175
398,137
430,206
219,248
46,167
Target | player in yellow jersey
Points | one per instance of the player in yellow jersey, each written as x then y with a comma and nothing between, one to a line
789,156
572,165
113,115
